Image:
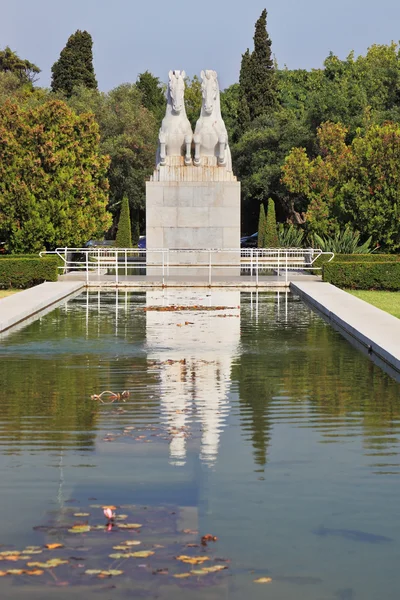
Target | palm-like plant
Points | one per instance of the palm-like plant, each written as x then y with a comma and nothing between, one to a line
346,241
290,236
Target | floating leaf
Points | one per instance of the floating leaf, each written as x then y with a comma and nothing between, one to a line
82,514
54,546
15,572
111,573
142,554
54,562
12,557
3,573
31,551
111,507
118,556
263,580
93,571
121,517
132,543
192,560
130,525
34,572
181,575
79,529
9,553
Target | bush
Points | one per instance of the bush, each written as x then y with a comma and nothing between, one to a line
363,275
124,233
27,272
356,258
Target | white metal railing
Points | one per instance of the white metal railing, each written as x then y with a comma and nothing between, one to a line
120,262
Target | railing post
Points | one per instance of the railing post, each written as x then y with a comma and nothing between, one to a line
65,260
116,267
126,264
257,269
87,267
279,254
286,268
98,262
251,262
209,269
163,267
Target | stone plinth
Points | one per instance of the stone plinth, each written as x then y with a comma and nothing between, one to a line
193,208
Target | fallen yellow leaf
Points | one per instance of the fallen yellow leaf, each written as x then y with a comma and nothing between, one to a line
263,580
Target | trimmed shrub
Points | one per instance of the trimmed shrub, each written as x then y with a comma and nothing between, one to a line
356,258
27,272
261,227
363,275
124,233
271,234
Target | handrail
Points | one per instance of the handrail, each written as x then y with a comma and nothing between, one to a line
125,261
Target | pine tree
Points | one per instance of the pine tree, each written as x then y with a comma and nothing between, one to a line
75,65
261,227
271,233
244,93
124,234
263,94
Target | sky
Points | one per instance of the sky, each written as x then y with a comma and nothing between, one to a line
132,36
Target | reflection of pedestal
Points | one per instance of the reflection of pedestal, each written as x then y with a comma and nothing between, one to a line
191,208
196,365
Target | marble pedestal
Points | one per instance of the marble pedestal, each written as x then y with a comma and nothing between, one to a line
193,208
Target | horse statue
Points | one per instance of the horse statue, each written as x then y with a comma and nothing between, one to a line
175,135
210,136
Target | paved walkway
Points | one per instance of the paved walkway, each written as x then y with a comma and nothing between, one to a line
372,327
28,303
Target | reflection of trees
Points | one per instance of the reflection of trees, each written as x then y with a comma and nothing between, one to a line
49,370
300,358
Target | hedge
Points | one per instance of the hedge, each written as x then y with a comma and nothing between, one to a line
363,275
26,272
324,258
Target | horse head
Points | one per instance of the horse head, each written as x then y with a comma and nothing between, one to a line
176,88
209,89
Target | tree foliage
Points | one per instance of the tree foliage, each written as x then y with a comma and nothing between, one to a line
75,65
124,232
53,185
24,70
356,183
261,227
153,95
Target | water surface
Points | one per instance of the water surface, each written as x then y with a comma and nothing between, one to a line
256,423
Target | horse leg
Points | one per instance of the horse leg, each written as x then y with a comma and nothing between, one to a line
221,153
188,155
197,159
162,138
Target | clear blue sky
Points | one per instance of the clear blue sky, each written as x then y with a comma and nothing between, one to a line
131,36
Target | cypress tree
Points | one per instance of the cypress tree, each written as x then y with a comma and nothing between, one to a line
153,97
244,93
75,65
261,227
260,86
124,234
271,233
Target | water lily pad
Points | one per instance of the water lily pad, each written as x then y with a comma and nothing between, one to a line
81,514
54,562
130,525
15,572
181,575
3,573
93,571
54,546
142,554
214,568
263,580
192,560
79,529
34,572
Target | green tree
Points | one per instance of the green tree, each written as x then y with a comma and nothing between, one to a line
25,71
229,109
128,134
75,65
53,184
193,99
356,183
153,96
245,83
261,227
124,232
136,233
271,234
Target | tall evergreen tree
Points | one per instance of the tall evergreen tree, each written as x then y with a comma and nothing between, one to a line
124,233
244,93
264,90
271,234
153,97
261,227
75,65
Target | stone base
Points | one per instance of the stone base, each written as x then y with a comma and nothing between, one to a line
193,215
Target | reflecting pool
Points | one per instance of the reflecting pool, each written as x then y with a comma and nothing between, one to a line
248,418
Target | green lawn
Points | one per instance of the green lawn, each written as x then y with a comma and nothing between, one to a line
4,293
388,301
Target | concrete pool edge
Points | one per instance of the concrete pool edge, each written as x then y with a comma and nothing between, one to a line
374,330
27,304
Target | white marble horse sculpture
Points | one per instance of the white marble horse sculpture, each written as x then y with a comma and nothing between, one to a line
175,136
210,136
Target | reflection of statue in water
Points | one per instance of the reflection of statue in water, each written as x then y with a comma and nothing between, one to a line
210,136
175,136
